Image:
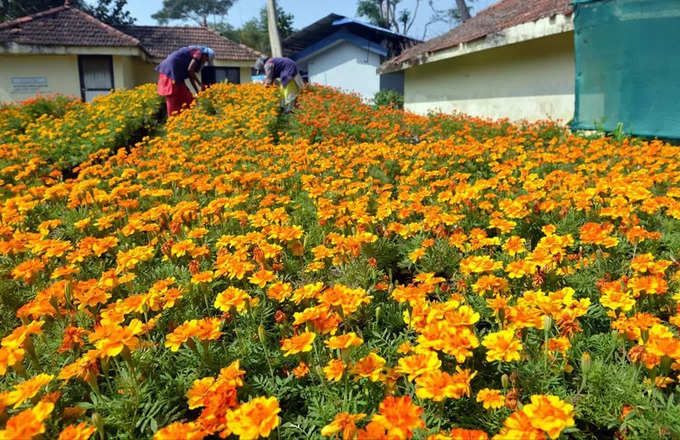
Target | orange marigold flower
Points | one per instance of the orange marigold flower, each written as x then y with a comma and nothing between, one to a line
298,344
28,423
279,291
334,369
177,430
468,434
518,426
399,416
343,342
370,366
254,419
262,277
550,414
301,370
81,431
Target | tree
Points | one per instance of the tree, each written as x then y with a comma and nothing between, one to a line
384,13
459,13
254,32
194,10
109,11
11,9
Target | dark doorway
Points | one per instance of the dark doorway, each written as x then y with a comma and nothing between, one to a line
96,75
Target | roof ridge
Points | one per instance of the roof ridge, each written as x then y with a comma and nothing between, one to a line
160,26
106,26
31,17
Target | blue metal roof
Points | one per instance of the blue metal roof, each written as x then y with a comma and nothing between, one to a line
347,20
336,37
325,27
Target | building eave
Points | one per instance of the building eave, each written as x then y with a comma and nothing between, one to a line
13,48
543,27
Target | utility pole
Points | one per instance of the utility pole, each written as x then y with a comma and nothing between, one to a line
274,38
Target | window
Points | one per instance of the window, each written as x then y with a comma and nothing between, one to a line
213,74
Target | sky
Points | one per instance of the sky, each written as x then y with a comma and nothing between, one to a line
308,11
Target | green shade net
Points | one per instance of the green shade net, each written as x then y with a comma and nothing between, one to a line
628,66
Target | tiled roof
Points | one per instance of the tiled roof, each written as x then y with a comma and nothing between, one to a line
160,41
63,26
68,26
502,15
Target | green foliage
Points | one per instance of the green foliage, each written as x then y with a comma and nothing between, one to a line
197,11
255,34
389,98
109,11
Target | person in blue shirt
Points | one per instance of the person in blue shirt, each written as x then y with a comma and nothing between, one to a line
180,65
286,71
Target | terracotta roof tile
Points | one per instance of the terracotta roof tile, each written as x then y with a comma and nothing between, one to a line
63,26
499,16
68,26
160,41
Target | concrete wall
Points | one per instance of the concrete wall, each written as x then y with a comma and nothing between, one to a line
348,67
530,80
60,71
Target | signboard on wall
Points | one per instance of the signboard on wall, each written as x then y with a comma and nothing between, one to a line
29,84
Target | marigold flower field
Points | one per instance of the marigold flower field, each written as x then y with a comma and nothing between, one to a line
342,272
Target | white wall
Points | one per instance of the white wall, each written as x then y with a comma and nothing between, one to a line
530,80
346,66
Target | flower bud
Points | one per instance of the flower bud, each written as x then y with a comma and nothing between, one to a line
586,362
505,381
261,334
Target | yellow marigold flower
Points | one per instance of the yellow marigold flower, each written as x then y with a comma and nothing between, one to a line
254,419
419,363
344,423
261,278
29,388
334,370
550,414
491,399
343,342
502,346
370,367
236,298
298,344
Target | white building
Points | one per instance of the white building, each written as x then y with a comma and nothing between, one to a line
341,52
513,60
